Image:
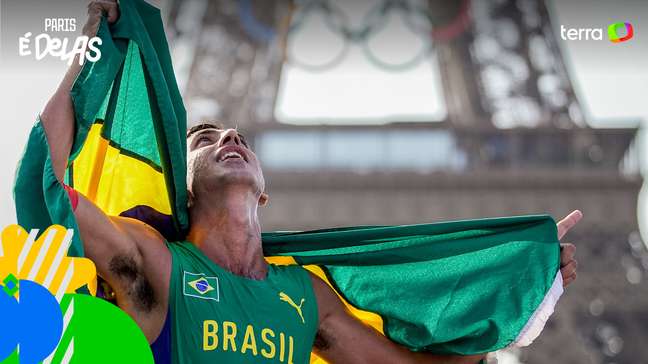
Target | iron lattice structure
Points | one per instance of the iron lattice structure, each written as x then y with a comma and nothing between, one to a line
521,78
516,139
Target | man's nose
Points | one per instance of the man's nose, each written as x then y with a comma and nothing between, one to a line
230,137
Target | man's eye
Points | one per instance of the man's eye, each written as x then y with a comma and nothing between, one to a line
202,141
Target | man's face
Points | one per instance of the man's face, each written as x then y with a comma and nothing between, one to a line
218,158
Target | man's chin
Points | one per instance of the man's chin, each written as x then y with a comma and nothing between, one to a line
235,176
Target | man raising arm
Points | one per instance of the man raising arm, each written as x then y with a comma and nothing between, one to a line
150,276
129,254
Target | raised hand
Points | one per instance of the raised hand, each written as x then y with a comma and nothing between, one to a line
96,9
568,265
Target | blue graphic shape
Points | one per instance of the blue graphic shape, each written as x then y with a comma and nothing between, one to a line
34,322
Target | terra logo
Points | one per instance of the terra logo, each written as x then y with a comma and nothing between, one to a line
614,36
617,33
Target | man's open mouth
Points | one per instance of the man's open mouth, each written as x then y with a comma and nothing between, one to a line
230,155
231,152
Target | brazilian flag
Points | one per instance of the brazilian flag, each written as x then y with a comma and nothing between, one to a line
200,286
129,151
462,287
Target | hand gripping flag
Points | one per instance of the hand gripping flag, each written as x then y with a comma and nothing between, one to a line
462,287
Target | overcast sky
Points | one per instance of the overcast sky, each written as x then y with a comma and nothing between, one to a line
611,79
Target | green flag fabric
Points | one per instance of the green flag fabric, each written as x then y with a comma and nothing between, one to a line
129,151
461,287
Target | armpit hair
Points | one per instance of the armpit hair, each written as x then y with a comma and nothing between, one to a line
323,340
139,289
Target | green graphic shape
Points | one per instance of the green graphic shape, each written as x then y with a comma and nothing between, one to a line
10,285
102,333
12,359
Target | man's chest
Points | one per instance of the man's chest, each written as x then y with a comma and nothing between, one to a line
218,318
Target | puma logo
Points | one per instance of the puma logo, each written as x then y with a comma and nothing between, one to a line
284,297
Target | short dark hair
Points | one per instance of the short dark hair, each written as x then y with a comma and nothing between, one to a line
202,126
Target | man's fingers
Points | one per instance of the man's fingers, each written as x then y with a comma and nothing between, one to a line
104,7
567,281
568,264
569,269
567,252
568,222
113,13
94,8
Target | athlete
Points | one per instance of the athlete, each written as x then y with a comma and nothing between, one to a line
213,297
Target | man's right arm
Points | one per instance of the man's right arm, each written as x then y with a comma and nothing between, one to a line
132,257
126,252
57,117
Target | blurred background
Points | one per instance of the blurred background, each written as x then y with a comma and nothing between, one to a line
410,111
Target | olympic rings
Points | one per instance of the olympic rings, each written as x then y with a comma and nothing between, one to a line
380,13
252,26
335,20
416,18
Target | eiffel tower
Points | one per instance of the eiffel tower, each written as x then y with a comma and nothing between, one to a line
523,138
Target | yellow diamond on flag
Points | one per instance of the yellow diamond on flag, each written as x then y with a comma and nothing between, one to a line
201,285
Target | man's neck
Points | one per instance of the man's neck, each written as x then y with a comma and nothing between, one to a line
225,227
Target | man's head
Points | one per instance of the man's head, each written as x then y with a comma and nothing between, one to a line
218,159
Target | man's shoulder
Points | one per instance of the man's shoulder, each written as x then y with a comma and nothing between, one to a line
297,275
290,270
140,232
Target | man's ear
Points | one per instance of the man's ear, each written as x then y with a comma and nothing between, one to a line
263,199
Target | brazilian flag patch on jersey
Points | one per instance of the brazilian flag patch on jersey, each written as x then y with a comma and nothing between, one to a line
200,286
